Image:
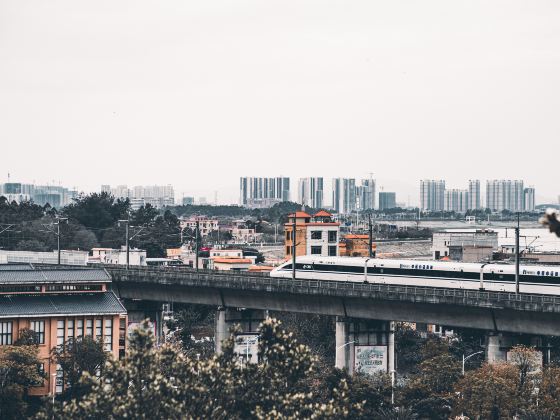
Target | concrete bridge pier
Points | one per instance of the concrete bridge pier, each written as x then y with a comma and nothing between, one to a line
138,311
498,345
365,345
247,319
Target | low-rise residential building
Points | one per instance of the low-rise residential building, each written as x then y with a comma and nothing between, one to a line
242,233
67,257
227,253
356,245
205,225
232,264
117,256
59,305
461,240
315,235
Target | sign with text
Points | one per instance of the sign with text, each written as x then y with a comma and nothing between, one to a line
370,359
246,347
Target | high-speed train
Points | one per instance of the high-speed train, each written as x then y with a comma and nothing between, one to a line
488,276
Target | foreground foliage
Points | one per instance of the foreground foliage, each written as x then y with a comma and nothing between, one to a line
18,372
164,383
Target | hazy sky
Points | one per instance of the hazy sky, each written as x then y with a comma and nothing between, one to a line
199,93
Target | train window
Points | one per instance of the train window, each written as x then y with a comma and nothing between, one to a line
538,273
556,273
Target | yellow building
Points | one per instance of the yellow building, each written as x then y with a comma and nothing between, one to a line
315,235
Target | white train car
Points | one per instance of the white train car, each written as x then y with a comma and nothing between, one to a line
489,276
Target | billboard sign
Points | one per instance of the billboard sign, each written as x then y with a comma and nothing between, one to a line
246,348
370,359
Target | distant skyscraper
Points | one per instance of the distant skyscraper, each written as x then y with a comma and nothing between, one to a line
387,200
188,201
456,200
505,195
529,199
344,195
263,192
310,192
432,195
53,195
157,196
474,195
366,194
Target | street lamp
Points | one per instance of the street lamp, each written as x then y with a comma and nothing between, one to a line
346,344
53,375
468,357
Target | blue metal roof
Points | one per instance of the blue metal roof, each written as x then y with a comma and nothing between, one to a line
25,306
73,275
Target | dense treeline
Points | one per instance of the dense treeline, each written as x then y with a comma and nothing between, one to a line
90,221
93,221
275,214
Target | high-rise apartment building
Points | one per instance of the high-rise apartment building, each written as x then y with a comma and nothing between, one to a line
310,192
432,195
261,192
53,195
473,202
366,194
157,196
456,200
387,200
529,199
344,195
505,195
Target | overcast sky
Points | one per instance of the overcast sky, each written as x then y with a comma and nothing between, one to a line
198,93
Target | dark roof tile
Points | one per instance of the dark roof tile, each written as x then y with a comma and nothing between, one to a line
18,306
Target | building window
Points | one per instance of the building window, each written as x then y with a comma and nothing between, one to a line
89,327
333,234
108,334
80,328
39,328
70,333
316,250
332,251
60,333
288,235
288,249
122,332
316,234
59,379
41,372
98,328
5,333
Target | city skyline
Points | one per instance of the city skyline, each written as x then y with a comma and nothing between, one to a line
293,192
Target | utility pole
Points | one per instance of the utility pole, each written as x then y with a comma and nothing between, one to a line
128,238
370,241
517,256
197,242
127,245
58,219
294,248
